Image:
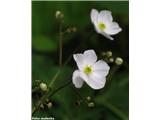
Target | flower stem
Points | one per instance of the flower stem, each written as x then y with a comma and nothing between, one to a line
54,78
59,88
112,71
60,44
69,58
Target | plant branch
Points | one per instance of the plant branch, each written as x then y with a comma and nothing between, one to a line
60,44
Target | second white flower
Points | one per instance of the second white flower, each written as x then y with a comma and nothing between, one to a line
103,23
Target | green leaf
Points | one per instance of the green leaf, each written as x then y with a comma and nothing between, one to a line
44,44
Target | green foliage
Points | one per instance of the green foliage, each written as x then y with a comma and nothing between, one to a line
45,56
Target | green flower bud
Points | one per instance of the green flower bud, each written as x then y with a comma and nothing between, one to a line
69,30
119,61
59,15
91,104
42,106
47,100
109,53
49,105
43,87
111,60
88,98
74,29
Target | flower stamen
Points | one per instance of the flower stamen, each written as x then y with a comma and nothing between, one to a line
87,70
101,26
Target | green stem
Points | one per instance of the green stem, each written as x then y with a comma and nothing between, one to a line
54,78
59,88
60,44
112,72
69,58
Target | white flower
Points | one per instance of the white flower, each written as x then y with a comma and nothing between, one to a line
90,70
103,23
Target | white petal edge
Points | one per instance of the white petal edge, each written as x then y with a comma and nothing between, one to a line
94,18
107,35
90,57
113,29
94,15
77,80
79,60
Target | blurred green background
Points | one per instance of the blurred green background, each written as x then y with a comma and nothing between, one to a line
45,58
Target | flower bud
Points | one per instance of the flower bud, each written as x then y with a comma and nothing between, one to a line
109,53
49,105
74,29
59,15
119,61
88,98
111,60
69,30
43,87
91,104
42,106
47,100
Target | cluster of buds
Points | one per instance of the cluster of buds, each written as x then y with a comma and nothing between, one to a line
110,59
90,102
71,29
47,104
108,56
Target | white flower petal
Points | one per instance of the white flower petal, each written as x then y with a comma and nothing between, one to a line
105,16
113,29
107,35
79,60
94,18
101,68
115,25
95,81
77,80
90,57
94,15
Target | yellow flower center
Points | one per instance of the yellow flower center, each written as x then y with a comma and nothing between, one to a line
101,26
87,70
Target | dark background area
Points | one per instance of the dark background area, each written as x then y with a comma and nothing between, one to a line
45,57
